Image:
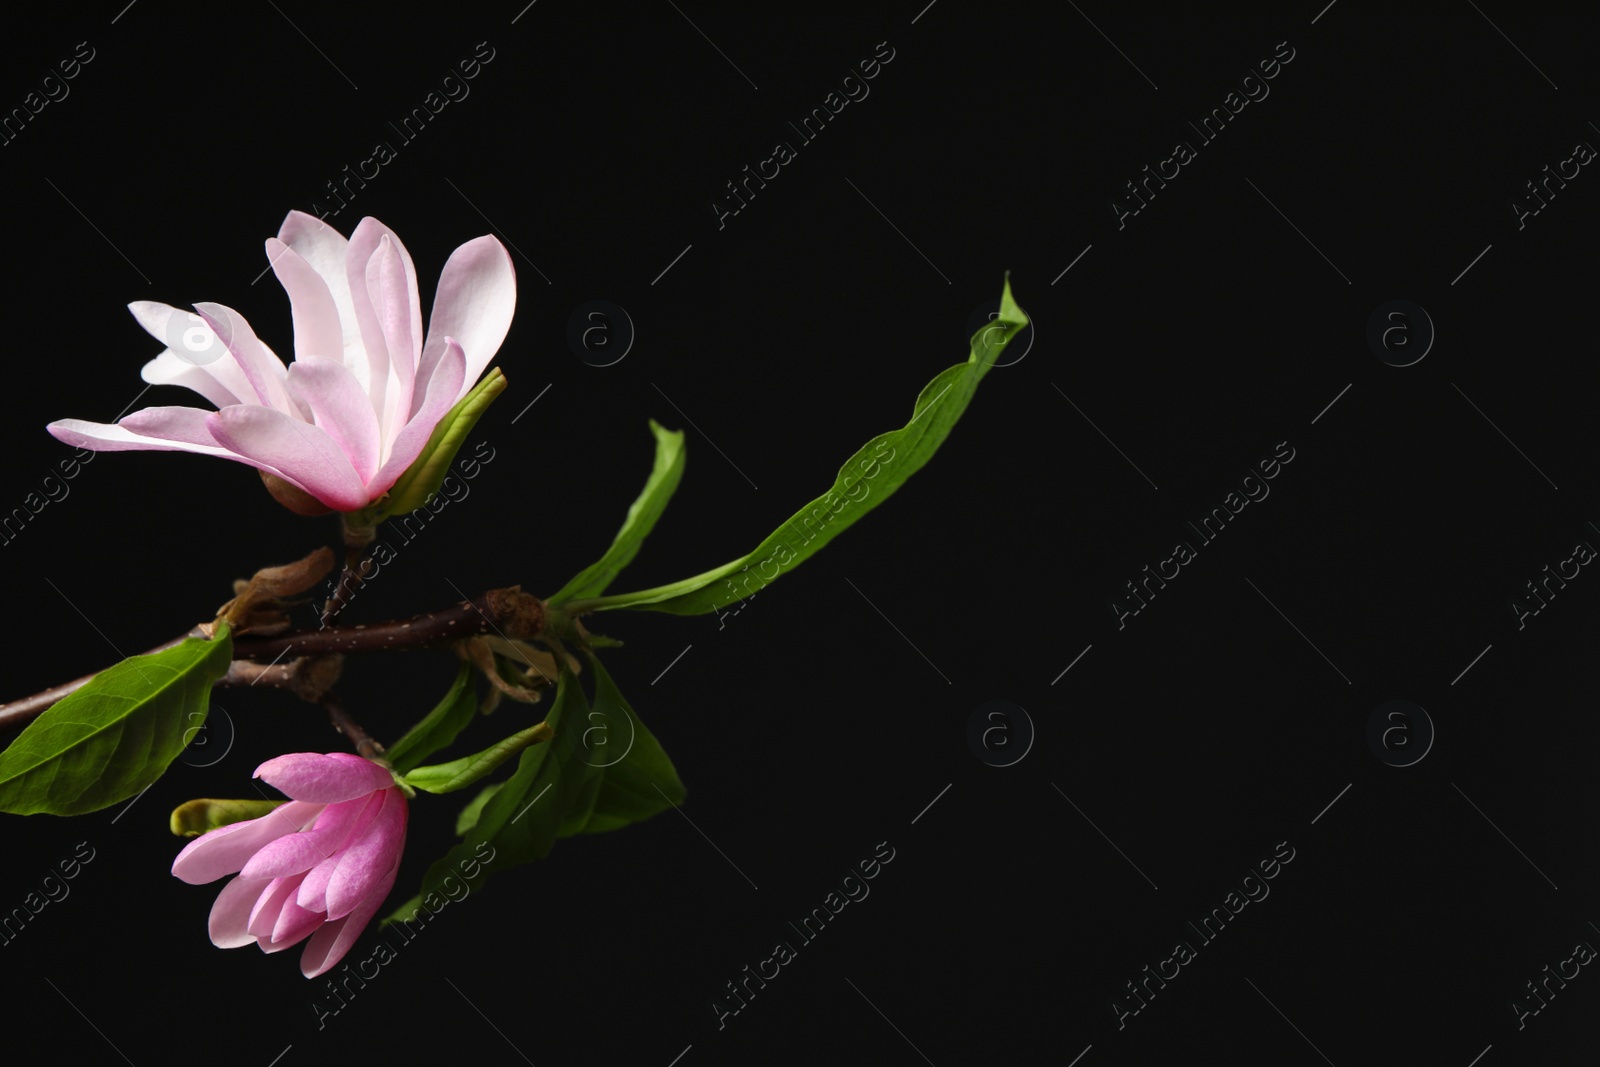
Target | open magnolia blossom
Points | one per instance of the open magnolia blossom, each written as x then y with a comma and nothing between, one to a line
366,388
317,867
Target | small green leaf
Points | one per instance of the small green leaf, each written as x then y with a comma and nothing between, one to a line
469,770
439,727
639,783
469,814
195,817
110,739
642,516
427,472
866,480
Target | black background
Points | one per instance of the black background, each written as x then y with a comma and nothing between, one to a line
817,723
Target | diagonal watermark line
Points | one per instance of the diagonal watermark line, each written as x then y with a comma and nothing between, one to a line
280,1056
1073,664
702,833
132,402
1480,1055
1332,402
99,231
121,13
1324,11
89,1021
1331,803
491,1023
524,11
90,621
1102,833
313,44
1513,44
713,44
669,666
1469,266
1297,630
931,803
1102,433
1074,263
890,1021
674,262
532,802
1502,833
899,631
263,674
1113,44
499,231
897,229
1080,1056
1502,433
929,404
924,11
1298,230
131,803
532,402
702,433
1286,1019
1469,666
680,1055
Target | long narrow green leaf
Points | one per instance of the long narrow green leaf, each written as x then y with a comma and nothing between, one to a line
642,516
866,480
110,739
469,770
439,727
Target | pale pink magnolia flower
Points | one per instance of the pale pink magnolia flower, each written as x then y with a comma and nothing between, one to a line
365,390
318,866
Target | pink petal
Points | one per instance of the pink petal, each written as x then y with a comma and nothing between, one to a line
297,853
304,454
264,916
329,944
367,860
102,437
264,370
226,849
317,331
326,250
340,406
170,369
444,389
295,924
393,306
173,327
327,779
474,303
178,425
230,915
369,234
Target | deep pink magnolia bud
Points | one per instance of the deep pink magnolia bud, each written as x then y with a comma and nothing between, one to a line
317,867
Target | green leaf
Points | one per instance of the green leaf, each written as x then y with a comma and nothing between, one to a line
469,770
517,823
640,781
108,740
195,817
603,770
866,480
469,814
427,472
439,727
642,516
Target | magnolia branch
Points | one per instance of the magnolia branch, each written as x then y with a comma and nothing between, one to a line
508,613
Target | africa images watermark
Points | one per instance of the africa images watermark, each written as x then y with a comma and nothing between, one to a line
783,952
1209,529
852,89
1252,89
54,890
52,89
452,89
